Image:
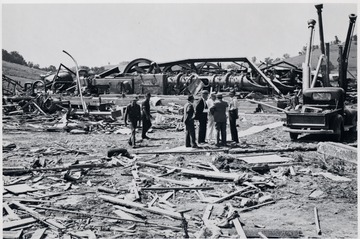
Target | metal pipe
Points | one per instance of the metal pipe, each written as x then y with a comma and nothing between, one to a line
324,71
306,64
317,71
346,51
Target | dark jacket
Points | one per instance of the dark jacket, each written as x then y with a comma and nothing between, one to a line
219,111
133,112
199,110
189,113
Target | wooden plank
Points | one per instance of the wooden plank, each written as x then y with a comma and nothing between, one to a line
39,217
265,159
11,214
124,215
232,194
214,167
317,221
239,228
155,210
17,223
175,188
107,190
207,212
132,211
38,234
150,204
209,174
12,234
19,188
273,233
183,183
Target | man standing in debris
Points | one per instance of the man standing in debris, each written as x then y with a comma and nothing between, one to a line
146,117
233,115
133,112
219,112
189,111
211,123
201,112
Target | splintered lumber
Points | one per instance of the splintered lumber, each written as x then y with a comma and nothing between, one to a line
273,158
256,206
239,228
175,188
155,210
317,221
231,195
192,151
11,214
207,212
132,211
266,150
75,166
19,188
39,217
38,234
183,183
17,223
12,234
107,190
273,233
210,174
338,150
214,167
123,215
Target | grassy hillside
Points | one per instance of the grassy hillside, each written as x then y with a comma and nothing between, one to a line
21,73
334,55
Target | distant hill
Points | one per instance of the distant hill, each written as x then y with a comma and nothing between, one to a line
334,55
21,73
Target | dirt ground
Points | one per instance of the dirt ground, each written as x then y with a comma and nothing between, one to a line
293,208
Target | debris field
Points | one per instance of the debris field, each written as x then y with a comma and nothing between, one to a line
89,183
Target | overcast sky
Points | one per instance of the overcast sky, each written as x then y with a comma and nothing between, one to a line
99,34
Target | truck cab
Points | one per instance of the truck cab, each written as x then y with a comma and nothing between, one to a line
323,112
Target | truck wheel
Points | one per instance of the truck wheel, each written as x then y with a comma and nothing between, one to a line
294,136
338,128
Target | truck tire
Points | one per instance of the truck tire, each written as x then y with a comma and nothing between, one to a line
338,127
294,136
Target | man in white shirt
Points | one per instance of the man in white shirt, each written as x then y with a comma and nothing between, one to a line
211,123
233,115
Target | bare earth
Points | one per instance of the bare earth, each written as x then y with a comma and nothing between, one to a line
293,208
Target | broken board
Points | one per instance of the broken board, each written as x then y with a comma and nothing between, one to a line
272,158
19,188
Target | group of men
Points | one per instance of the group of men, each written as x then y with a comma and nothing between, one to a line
134,113
211,113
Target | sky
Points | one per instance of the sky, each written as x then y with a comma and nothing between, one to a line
102,34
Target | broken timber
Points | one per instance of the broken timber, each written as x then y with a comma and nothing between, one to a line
156,210
264,150
231,195
175,188
12,224
239,228
317,221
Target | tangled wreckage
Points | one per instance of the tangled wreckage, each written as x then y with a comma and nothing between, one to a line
105,94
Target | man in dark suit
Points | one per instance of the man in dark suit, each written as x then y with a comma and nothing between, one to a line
189,111
233,115
146,117
133,113
219,112
201,114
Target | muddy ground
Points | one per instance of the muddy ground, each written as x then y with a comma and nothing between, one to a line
293,208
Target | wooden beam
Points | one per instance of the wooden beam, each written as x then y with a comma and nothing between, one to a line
155,210
211,174
38,234
11,214
107,190
12,234
207,212
183,183
317,221
232,194
12,224
39,217
175,188
239,228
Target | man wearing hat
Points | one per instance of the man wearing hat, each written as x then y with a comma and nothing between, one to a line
189,111
201,112
219,113
146,117
233,115
133,113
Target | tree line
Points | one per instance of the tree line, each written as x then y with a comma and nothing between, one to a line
17,58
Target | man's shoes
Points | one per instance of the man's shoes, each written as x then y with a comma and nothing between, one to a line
218,145
195,146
